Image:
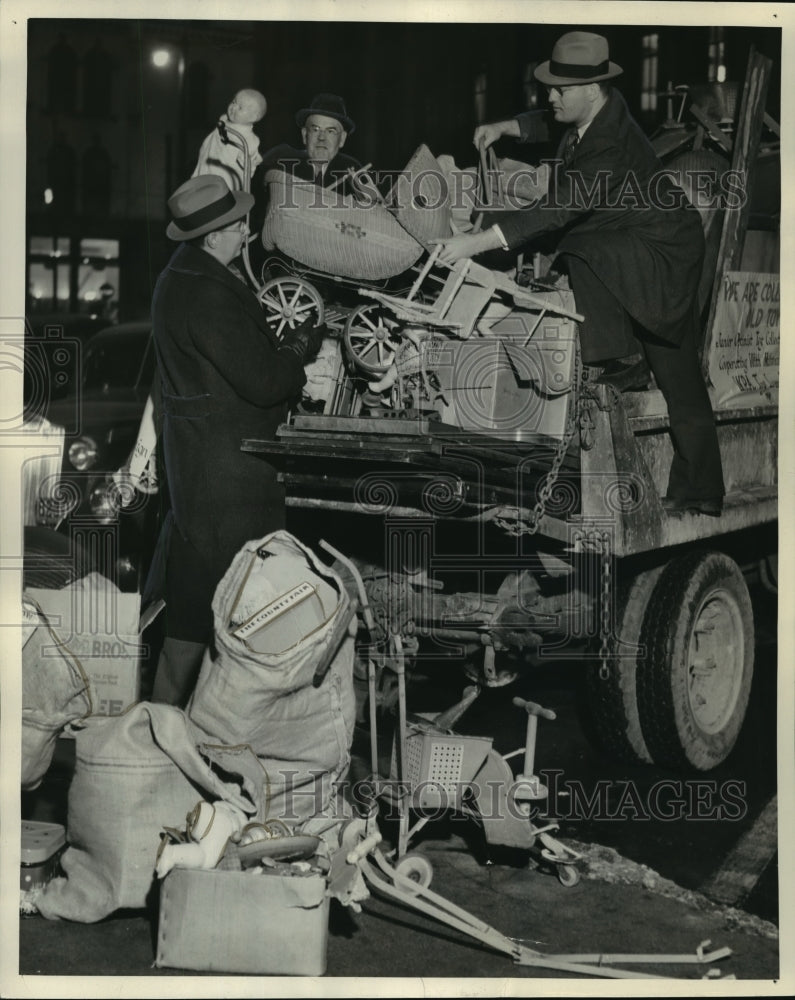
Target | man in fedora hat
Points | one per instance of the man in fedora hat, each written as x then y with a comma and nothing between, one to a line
223,377
633,248
325,127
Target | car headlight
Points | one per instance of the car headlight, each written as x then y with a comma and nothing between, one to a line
83,453
104,502
57,502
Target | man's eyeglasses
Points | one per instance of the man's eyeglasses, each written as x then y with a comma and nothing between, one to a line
236,227
317,130
562,88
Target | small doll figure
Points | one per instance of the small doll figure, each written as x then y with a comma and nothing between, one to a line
220,152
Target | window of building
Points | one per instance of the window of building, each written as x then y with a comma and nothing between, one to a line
480,98
70,275
98,67
48,274
648,92
62,77
98,276
716,67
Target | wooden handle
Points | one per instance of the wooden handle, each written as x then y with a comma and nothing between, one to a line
532,709
485,187
363,849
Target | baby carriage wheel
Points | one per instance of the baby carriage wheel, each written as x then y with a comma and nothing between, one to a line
568,875
369,339
288,302
416,868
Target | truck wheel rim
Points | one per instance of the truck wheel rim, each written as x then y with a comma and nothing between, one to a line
716,658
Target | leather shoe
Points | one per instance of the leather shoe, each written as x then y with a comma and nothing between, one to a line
712,507
625,376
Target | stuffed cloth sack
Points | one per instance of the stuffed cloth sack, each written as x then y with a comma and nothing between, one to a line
55,692
134,774
266,687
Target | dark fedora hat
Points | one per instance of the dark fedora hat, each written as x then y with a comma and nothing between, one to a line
205,203
578,57
329,105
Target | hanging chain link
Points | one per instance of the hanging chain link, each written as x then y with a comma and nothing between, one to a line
548,483
604,619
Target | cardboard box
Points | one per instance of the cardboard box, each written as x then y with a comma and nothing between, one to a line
228,921
99,626
514,384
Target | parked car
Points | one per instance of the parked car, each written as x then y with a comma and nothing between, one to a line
101,418
54,348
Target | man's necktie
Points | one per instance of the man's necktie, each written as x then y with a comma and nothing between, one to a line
572,139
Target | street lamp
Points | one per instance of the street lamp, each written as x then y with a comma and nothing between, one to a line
161,58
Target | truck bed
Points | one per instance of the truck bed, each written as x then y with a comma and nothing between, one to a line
379,465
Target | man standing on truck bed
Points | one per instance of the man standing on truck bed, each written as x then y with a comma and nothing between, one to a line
633,248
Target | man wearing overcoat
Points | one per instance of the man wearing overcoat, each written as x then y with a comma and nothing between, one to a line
224,377
633,248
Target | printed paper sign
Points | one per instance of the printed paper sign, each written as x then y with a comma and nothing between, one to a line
744,356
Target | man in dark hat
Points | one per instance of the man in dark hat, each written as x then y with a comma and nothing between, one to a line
224,377
325,127
633,248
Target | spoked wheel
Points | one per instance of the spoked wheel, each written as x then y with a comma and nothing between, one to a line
288,302
369,338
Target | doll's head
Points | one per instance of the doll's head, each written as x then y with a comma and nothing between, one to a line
246,107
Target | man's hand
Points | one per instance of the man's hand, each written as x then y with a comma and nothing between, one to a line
467,245
485,135
304,341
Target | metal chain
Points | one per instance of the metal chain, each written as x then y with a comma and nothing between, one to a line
587,423
604,621
548,484
591,391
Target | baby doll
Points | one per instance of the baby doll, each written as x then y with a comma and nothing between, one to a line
220,153
209,829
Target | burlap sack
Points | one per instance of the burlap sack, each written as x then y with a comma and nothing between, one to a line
55,692
134,774
296,718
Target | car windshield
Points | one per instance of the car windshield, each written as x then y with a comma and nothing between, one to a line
118,363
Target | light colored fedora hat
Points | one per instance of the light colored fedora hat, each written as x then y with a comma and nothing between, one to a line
205,203
578,57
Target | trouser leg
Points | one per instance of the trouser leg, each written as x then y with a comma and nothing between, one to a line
696,469
177,671
606,332
189,588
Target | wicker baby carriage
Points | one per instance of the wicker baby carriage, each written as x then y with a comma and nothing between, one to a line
360,236
360,240
322,228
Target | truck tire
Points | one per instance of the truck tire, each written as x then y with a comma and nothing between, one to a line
694,682
609,706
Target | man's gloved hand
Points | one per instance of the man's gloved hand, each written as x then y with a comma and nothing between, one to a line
304,341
